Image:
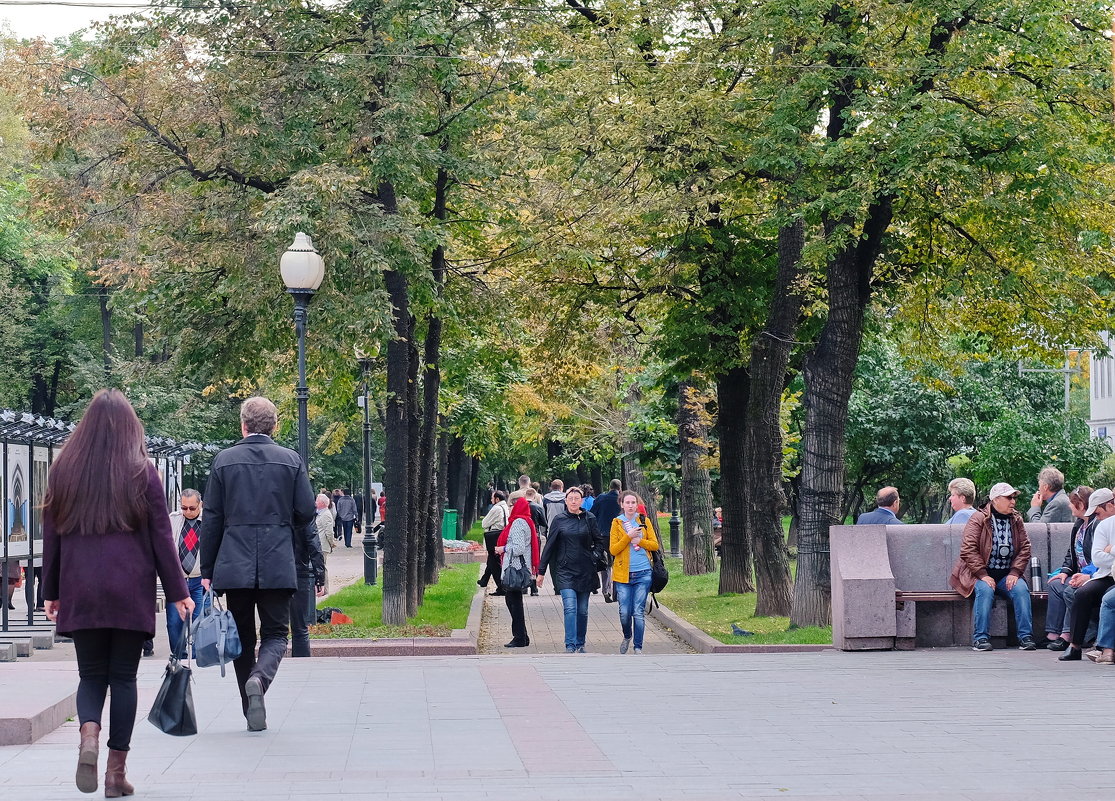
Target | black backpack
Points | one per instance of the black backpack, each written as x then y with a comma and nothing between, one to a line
659,575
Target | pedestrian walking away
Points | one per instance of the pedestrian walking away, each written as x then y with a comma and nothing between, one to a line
518,541
346,514
632,538
100,561
569,546
257,501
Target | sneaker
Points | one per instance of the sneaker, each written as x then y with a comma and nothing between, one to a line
638,651
1105,660
580,649
982,645
256,714
569,649
1057,644
623,646
1027,644
608,599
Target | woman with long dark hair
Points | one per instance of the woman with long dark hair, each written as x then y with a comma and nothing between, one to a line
106,535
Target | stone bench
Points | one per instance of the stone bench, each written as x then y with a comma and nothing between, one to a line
890,586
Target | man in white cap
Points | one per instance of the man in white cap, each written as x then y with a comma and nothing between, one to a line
994,555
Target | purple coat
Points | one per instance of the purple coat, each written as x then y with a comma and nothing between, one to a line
108,580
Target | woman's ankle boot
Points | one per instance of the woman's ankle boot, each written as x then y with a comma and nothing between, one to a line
87,751
116,784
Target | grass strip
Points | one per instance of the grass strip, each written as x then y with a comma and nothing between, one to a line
444,608
695,599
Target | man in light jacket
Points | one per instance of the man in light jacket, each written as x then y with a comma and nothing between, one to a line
185,525
258,501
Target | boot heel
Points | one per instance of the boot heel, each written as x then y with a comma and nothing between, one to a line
86,775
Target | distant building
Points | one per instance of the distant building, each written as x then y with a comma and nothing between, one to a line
1102,379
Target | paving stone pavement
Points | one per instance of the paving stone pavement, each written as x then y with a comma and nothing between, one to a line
910,726
546,627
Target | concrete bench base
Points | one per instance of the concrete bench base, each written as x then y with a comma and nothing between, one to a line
890,587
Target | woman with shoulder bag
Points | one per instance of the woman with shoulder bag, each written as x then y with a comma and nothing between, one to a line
632,538
493,524
100,561
518,546
573,533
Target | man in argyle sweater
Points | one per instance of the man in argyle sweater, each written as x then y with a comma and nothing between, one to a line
185,524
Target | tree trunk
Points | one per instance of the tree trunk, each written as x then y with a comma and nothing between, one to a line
633,477
596,478
699,557
829,371
396,462
414,448
473,494
443,473
460,465
736,566
106,332
762,459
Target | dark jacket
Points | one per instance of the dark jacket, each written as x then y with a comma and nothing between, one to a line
975,551
606,509
539,518
1070,565
568,552
308,558
346,508
257,501
108,580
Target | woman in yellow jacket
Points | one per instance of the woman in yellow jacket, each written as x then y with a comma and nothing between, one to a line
632,538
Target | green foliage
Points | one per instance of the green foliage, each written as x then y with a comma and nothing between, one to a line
444,607
1020,444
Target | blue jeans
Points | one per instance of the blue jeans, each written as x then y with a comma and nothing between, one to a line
632,598
575,606
1019,598
1106,636
174,623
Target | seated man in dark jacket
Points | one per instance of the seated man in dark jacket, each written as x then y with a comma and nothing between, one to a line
258,501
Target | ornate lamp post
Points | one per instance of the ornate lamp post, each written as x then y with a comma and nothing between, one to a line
302,270
369,541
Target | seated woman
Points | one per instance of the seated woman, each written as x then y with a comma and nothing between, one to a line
1088,597
1074,572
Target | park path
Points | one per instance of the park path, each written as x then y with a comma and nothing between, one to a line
546,627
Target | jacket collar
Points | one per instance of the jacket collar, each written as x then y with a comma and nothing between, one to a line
255,438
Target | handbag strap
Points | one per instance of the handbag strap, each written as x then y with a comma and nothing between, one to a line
211,605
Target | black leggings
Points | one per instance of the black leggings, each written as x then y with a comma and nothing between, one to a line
108,658
1084,603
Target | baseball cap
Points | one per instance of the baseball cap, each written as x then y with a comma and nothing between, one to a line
1098,499
1002,489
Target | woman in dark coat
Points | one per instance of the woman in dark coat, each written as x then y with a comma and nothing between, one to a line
106,535
569,545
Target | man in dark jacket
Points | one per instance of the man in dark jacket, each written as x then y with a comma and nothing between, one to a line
258,501
346,514
606,509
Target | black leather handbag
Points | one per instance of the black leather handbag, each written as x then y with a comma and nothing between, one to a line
173,710
517,577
